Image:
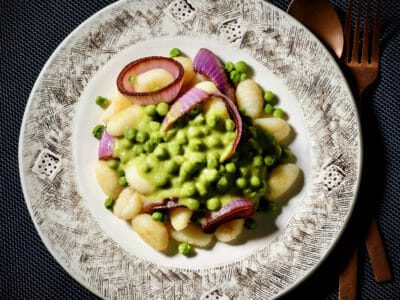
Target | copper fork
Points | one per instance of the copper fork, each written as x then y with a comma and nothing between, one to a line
364,65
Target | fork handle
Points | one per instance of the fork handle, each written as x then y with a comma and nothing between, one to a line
377,253
348,278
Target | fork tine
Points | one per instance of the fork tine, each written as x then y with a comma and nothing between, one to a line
356,38
347,32
366,36
376,35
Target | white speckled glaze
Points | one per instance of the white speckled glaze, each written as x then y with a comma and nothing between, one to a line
103,253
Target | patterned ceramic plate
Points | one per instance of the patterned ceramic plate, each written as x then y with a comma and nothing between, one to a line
57,151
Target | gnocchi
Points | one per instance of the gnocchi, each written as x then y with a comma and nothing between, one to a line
281,180
152,80
180,217
229,231
128,204
278,127
154,233
107,179
193,235
187,65
118,104
249,98
137,181
213,104
124,120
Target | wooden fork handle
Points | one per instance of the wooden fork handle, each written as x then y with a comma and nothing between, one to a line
348,278
377,253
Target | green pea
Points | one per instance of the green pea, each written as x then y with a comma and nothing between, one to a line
175,149
229,66
222,183
161,153
243,77
253,144
170,134
120,172
269,109
269,160
235,77
229,125
156,137
221,169
171,166
150,110
192,204
97,131
132,78
138,149
196,145
228,138
212,162
205,130
127,144
124,157
154,125
109,203
160,180
113,164
162,109
255,181
209,175
122,181
213,204
194,132
287,154
187,168
141,136
250,224
151,161
257,161
230,167
241,67
194,112
181,138
188,189
199,120
149,146
184,248
241,182
269,96
130,134
103,102
179,159
198,158
212,120
174,52
278,150
145,167
213,141
244,171
278,113
157,216
201,188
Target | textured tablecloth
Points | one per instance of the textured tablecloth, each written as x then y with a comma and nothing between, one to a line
31,30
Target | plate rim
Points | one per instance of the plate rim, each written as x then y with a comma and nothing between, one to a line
337,68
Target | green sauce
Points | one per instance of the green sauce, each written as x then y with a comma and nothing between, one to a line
188,162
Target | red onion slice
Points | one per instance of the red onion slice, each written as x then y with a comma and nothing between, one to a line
183,105
106,146
166,94
240,208
234,113
205,62
150,206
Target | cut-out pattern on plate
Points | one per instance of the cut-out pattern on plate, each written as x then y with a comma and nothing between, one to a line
181,10
47,165
332,177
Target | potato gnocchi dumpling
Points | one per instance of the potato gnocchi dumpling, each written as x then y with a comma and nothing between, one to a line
192,234
154,233
279,128
124,120
180,217
229,231
249,98
187,65
137,181
118,104
107,179
281,180
152,80
128,204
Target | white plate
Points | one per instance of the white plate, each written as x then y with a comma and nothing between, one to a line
57,151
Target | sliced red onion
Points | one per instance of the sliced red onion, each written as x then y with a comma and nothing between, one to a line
240,208
106,146
150,206
166,94
183,105
205,62
234,113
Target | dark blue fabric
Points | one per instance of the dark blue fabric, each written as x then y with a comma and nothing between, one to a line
29,33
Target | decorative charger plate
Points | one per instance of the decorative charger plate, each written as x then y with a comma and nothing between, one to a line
56,151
